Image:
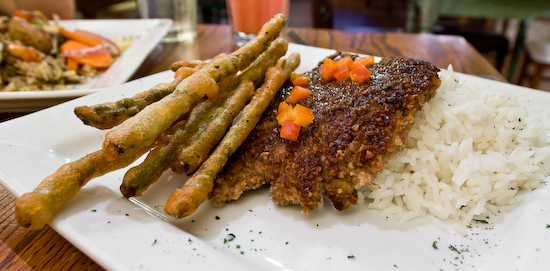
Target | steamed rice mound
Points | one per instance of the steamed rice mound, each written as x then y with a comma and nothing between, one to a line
468,152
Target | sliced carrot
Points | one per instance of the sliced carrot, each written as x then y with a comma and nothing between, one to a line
342,73
367,61
290,130
27,54
72,65
83,38
303,116
73,45
360,74
100,62
345,61
301,80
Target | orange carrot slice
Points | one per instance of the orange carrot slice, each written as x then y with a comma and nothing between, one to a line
83,38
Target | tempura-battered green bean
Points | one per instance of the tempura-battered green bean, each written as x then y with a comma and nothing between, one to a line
186,63
34,209
111,114
189,158
144,127
137,179
196,189
214,123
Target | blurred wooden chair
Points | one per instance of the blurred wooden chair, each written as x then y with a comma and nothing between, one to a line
537,53
481,33
423,15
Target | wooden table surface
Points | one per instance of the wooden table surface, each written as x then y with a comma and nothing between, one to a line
47,250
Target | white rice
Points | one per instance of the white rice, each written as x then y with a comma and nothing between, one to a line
468,152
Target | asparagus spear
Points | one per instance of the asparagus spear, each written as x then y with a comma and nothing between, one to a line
110,114
144,127
34,209
215,122
186,200
137,179
189,158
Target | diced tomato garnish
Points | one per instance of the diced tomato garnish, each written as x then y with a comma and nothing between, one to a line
342,73
345,61
325,74
330,65
303,116
301,80
297,93
284,112
327,69
367,61
290,130
360,74
283,107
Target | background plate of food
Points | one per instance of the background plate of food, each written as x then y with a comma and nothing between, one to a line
70,74
483,219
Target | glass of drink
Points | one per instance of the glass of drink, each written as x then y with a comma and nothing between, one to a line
246,17
182,12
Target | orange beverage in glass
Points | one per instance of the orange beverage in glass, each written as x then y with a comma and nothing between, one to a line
247,17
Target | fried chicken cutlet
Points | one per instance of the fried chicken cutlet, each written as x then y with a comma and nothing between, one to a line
357,128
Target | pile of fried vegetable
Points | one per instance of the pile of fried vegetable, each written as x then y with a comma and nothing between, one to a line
38,54
191,125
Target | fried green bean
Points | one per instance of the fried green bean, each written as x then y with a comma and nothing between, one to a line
196,189
139,178
189,158
142,129
186,63
213,118
34,209
110,114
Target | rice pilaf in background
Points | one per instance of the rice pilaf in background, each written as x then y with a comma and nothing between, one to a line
37,54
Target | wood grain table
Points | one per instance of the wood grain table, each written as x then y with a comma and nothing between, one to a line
47,250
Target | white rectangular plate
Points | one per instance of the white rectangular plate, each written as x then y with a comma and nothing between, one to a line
120,234
147,33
